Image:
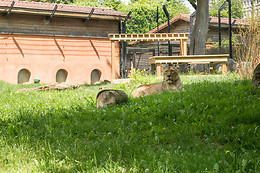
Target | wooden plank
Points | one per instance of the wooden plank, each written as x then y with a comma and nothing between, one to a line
158,69
181,48
32,24
189,61
191,56
185,49
211,67
224,68
151,60
158,60
44,46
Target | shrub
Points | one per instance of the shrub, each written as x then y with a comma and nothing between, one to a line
248,54
140,76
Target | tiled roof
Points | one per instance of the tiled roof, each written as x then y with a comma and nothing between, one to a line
186,17
105,11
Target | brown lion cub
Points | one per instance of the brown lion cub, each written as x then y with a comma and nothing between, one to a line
171,82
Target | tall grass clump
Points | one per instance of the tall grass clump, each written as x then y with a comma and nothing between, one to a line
248,54
137,76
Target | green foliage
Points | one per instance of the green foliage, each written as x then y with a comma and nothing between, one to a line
144,14
213,126
225,42
137,76
236,8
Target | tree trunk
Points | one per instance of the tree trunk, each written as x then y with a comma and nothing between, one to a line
200,31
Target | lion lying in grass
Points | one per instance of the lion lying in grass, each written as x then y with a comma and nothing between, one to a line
171,82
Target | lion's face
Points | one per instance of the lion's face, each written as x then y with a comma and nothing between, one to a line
170,75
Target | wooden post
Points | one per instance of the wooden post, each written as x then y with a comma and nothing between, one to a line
223,68
185,47
113,73
158,68
181,47
211,67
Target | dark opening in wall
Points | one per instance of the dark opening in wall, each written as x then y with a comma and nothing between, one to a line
95,76
23,76
61,76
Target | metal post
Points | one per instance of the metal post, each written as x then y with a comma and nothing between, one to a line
124,45
194,5
157,20
124,50
54,10
219,23
219,30
230,29
10,9
168,17
120,51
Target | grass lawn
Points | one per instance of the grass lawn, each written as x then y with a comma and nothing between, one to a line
213,126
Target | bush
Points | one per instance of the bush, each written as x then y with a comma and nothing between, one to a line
248,54
140,77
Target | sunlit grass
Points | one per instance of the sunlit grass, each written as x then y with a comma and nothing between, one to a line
62,131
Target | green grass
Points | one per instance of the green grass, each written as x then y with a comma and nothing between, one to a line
191,131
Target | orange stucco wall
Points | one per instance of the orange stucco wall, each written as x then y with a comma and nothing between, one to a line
43,56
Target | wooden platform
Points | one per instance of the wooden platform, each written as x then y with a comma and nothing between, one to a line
189,59
182,37
149,37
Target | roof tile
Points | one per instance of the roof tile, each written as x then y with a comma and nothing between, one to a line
186,17
61,7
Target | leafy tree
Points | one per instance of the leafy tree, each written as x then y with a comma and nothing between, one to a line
144,13
236,8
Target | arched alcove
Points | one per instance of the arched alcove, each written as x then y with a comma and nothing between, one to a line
61,75
23,76
95,76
